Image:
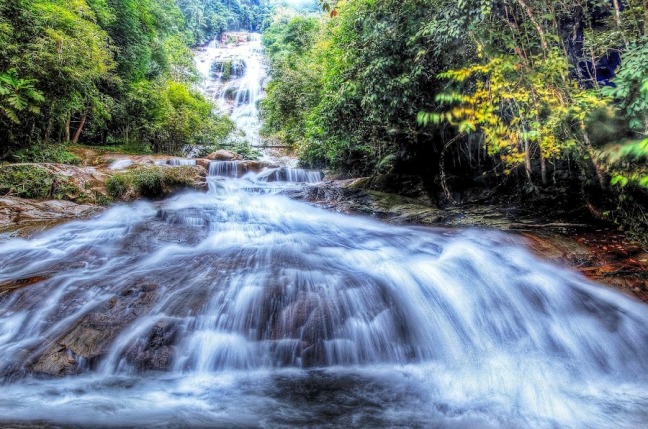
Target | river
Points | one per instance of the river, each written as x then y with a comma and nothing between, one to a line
243,308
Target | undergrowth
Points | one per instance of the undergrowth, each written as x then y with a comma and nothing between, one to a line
150,181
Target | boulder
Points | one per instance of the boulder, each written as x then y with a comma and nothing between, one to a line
203,162
92,335
223,155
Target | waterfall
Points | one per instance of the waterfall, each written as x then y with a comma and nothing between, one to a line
208,302
237,94
224,169
181,162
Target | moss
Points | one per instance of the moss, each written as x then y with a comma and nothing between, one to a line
132,148
150,181
227,70
33,181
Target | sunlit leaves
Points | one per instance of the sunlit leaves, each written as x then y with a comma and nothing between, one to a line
18,95
517,107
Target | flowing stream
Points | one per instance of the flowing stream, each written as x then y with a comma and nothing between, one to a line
243,308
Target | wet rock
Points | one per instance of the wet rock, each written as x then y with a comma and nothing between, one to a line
204,163
223,155
90,338
156,351
11,285
257,166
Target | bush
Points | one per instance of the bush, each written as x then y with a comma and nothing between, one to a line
151,181
31,181
55,153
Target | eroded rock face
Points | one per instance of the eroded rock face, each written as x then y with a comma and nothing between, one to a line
21,217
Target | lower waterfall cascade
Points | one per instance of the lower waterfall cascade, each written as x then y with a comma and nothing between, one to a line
241,307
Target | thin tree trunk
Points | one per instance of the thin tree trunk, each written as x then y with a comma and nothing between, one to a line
617,12
527,159
67,128
645,5
543,166
442,173
77,134
529,12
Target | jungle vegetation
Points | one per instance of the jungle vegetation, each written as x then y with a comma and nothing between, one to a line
110,72
543,102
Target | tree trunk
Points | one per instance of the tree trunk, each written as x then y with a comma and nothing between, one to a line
527,159
48,131
442,173
67,128
645,5
529,12
617,12
543,167
77,134
590,152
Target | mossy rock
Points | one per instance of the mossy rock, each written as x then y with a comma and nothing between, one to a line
153,181
45,181
32,181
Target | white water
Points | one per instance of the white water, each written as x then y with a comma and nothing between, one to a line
287,315
237,97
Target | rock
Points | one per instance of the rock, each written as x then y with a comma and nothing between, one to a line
204,163
156,352
256,166
223,155
90,338
21,217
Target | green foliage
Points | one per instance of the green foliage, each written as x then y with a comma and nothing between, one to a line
150,181
116,72
171,115
631,85
627,163
498,87
295,88
209,19
348,90
18,95
32,181
58,154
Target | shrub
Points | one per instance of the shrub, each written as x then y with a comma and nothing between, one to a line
150,181
32,181
55,153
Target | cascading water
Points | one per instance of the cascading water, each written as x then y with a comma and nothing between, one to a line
233,75
179,162
244,309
